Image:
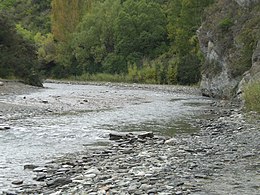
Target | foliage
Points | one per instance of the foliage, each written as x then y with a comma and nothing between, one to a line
140,30
225,24
252,96
65,17
184,19
18,57
147,41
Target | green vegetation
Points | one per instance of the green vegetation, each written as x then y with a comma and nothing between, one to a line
252,96
18,57
145,41
225,24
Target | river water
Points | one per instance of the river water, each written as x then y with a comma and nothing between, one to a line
80,116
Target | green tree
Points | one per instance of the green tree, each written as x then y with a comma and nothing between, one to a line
184,18
17,56
141,30
94,41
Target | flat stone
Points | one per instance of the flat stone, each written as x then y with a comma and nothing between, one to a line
17,182
40,178
92,175
31,167
40,169
2,128
59,182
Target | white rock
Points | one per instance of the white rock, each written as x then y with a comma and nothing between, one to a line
93,170
1,83
171,141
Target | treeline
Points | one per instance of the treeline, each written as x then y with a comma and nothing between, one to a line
152,41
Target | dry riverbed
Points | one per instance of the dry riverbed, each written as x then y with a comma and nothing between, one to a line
221,158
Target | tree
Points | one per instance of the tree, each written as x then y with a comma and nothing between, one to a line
17,56
66,15
184,18
94,41
140,30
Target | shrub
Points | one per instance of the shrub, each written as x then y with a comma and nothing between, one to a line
225,24
252,96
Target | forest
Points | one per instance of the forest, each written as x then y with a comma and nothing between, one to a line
142,41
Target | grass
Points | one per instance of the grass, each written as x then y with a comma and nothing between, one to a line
252,96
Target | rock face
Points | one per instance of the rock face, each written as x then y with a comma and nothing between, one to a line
231,48
254,73
245,3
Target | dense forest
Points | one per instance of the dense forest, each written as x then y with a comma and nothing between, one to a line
149,41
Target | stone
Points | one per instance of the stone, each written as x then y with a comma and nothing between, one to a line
30,166
171,141
145,187
2,128
146,135
178,193
1,83
92,170
17,182
92,175
58,182
40,178
115,137
40,169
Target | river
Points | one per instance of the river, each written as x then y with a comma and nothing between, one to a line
79,116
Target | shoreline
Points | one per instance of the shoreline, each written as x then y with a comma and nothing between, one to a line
223,157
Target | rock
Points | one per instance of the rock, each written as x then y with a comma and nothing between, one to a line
9,193
178,193
56,193
30,166
2,128
45,102
171,141
59,182
116,137
1,83
40,177
247,155
146,135
40,169
17,182
93,170
91,175
145,187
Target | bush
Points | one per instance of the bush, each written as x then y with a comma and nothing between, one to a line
225,24
252,96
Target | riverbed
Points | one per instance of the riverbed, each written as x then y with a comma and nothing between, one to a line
64,118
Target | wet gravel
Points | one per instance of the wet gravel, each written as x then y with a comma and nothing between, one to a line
221,158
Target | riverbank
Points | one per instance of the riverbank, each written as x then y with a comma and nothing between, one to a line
221,158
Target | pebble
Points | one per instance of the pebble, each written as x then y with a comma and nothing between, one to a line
4,128
17,182
181,165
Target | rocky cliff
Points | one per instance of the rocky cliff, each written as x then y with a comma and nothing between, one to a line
230,41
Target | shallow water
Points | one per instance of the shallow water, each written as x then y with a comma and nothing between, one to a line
82,115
